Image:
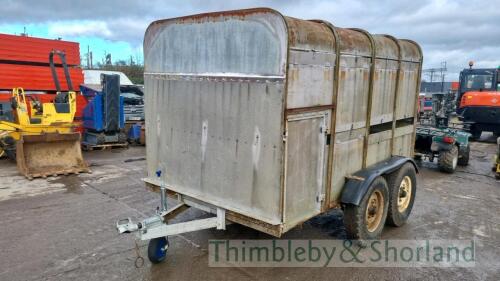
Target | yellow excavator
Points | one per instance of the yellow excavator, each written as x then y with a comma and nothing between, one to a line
43,143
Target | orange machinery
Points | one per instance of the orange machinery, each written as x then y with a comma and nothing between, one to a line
478,101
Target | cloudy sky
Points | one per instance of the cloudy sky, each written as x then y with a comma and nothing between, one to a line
454,31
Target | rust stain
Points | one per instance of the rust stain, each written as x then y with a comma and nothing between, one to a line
309,33
352,41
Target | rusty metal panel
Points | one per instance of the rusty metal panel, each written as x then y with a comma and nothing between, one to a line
410,51
354,43
214,106
384,89
407,95
403,141
253,43
310,64
379,147
211,147
309,35
384,84
347,159
408,83
385,47
306,163
352,99
310,78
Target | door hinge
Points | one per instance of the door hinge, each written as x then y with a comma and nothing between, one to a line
285,136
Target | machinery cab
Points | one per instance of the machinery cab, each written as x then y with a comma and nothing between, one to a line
478,99
478,80
61,110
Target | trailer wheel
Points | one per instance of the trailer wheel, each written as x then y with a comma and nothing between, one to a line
367,220
463,156
157,249
448,160
402,189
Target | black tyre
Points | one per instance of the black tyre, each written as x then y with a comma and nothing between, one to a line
402,190
448,160
463,156
366,221
157,249
11,154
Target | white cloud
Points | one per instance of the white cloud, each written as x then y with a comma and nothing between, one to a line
79,28
455,31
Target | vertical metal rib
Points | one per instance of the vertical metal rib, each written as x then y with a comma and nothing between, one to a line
370,92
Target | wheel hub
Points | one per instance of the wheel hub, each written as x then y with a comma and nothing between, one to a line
374,211
404,194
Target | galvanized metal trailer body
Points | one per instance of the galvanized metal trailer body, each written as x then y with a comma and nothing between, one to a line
267,116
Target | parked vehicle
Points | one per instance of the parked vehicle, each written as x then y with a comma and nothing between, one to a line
478,100
435,139
133,95
276,120
103,117
425,105
40,136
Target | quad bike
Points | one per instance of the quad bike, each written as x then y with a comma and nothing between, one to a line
435,139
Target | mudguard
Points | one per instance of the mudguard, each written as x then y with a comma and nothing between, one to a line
357,185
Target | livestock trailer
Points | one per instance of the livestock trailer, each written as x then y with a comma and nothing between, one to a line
267,121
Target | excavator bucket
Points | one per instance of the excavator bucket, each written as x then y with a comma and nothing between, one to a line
50,154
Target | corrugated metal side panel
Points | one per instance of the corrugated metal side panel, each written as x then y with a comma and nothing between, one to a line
407,90
379,147
354,43
310,79
310,65
384,90
232,44
352,100
347,158
31,49
309,35
36,77
214,108
219,142
403,141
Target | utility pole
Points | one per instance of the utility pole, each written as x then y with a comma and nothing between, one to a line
88,56
441,71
